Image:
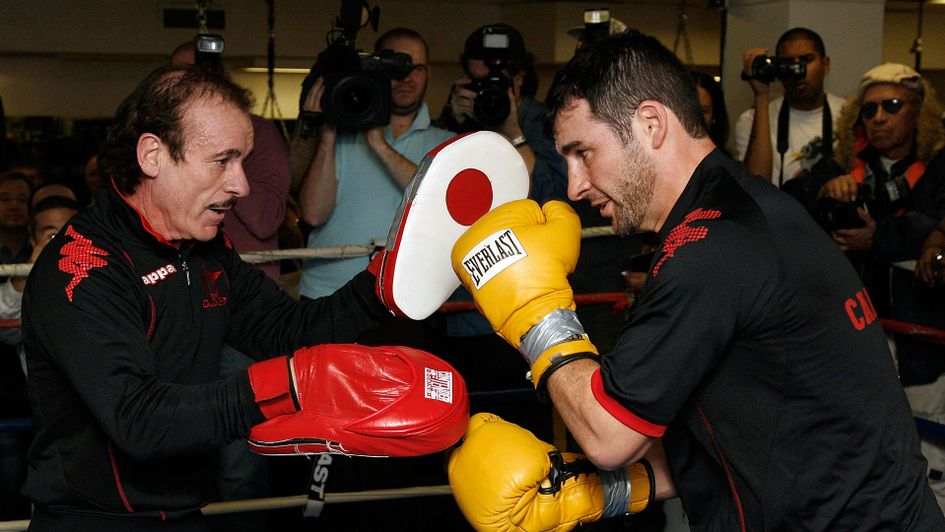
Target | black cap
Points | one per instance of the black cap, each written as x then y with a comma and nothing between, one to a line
475,50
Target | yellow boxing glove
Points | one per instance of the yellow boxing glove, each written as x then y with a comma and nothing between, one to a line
515,262
506,479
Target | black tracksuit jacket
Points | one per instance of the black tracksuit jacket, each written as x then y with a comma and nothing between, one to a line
123,333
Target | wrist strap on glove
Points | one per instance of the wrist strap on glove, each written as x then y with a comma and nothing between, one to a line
626,490
274,386
557,340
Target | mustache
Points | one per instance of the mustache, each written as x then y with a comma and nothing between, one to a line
228,204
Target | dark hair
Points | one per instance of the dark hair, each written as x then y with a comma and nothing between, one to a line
614,74
797,34
719,128
12,175
401,33
157,105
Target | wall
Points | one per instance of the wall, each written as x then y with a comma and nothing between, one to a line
77,58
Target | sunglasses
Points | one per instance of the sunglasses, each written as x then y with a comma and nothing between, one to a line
890,106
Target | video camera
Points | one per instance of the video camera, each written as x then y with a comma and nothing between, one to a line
357,84
766,69
492,105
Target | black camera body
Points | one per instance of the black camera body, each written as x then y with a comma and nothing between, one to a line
492,105
357,84
833,214
208,51
766,69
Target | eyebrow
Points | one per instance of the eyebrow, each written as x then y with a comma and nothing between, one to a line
232,152
569,147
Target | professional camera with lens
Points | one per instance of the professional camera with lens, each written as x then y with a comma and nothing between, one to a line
766,69
357,84
833,214
208,51
492,105
596,25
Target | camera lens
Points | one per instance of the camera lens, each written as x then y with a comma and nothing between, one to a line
355,100
492,107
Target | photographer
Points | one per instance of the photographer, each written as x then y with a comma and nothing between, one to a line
887,135
800,64
353,184
477,103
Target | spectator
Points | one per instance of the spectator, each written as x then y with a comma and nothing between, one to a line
522,125
894,194
15,192
355,181
714,112
805,113
48,216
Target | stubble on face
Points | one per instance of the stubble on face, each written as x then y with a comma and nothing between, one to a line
636,187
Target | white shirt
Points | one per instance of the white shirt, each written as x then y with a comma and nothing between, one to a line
806,128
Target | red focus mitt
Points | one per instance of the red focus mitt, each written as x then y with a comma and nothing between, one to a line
358,400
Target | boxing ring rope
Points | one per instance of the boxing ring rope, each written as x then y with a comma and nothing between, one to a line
619,302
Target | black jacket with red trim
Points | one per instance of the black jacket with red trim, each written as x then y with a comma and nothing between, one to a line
123,334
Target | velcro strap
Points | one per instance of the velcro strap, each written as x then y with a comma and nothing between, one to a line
273,386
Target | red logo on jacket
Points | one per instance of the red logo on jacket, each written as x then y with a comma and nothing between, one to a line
684,233
78,257
860,310
211,281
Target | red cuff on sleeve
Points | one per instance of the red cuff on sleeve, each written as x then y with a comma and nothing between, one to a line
623,415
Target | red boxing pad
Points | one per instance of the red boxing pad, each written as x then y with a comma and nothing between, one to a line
368,401
455,184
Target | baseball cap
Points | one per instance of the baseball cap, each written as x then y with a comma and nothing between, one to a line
616,26
895,73
474,49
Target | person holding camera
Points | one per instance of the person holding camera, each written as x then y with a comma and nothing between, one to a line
778,139
497,93
884,203
355,180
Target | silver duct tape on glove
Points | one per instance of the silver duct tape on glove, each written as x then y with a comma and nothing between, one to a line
617,487
557,327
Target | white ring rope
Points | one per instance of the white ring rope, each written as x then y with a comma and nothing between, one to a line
278,503
334,252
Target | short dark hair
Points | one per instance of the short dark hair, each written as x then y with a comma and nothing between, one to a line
157,105
12,175
401,33
798,34
614,74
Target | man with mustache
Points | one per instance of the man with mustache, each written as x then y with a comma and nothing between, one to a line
126,311
752,378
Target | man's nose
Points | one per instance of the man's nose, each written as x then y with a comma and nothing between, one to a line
578,185
238,185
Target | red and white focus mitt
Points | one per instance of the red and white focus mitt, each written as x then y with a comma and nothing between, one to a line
455,184
357,400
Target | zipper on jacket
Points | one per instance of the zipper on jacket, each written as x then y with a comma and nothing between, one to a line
185,267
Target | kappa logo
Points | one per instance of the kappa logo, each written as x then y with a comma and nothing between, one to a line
492,255
159,274
78,257
684,234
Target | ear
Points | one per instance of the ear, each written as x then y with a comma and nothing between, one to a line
652,119
149,151
826,62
